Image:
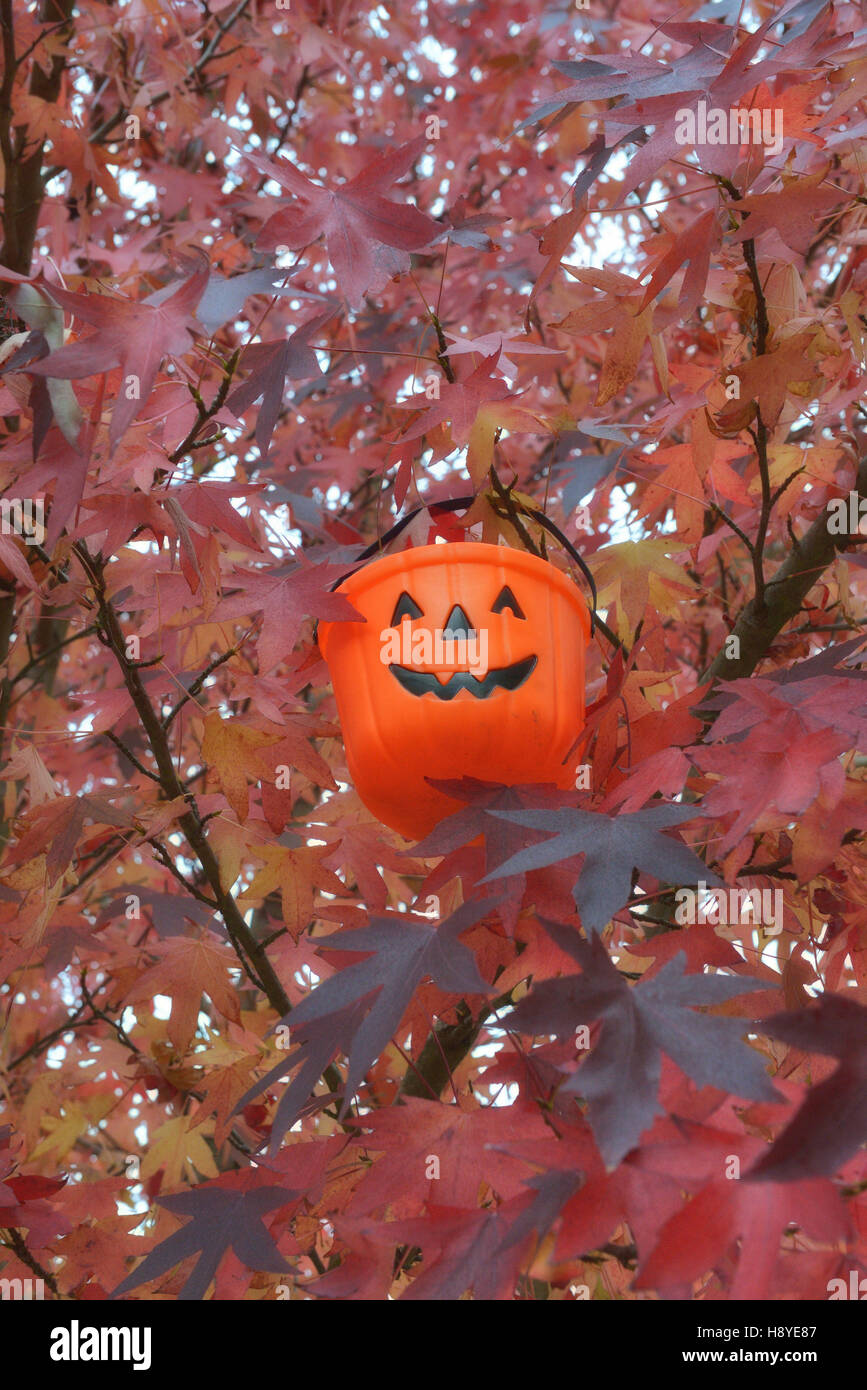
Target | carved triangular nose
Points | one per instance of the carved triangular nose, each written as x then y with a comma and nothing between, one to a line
458,624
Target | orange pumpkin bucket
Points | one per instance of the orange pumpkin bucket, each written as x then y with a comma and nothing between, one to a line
470,663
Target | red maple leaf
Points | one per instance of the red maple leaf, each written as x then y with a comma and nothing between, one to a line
701,1235
367,235
134,335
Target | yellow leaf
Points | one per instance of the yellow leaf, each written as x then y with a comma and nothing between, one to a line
227,746
636,573
30,875
188,968
493,416
39,1098
296,872
27,763
65,1130
180,1151
624,350
850,308
228,843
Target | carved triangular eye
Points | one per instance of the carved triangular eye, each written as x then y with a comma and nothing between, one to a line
506,599
405,607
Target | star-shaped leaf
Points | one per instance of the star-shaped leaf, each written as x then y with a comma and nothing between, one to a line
223,1220
832,1122
133,335
373,994
620,1077
367,234
613,846
269,365
286,598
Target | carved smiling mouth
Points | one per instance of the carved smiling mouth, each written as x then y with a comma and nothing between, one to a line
426,683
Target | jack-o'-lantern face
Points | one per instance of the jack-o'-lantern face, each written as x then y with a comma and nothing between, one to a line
470,663
458,628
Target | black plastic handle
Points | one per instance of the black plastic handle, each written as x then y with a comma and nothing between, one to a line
457,504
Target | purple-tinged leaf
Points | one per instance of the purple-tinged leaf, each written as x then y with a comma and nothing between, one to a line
613,847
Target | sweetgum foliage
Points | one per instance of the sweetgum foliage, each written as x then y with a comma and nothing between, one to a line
274,279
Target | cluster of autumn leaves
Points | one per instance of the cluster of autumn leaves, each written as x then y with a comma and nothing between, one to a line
241,1018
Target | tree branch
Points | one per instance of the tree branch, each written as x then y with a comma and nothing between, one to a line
784,594
254,960
14,1241
24,184
195,71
